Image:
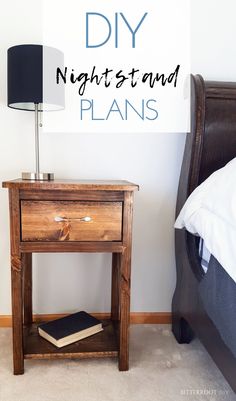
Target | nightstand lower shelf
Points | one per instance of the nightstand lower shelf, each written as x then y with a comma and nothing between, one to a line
100,345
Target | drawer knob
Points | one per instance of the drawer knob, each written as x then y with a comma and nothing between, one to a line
85,218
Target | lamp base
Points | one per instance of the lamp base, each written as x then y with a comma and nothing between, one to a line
38,176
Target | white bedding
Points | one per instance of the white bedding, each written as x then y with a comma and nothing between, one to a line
210,212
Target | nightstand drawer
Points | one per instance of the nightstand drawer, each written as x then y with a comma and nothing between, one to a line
71,221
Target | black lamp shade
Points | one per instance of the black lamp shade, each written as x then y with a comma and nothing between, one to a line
29,68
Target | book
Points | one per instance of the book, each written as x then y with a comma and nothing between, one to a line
69,329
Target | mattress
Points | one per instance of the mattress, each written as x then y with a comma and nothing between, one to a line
217,291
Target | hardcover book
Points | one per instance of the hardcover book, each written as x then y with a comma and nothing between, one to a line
69,329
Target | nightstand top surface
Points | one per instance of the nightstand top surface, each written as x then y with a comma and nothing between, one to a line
76,185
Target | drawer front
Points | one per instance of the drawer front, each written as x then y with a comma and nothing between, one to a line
71,221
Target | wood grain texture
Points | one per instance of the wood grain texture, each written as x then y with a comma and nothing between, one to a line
38,221
103,344
125,277
72,185
16,283
33,208
115,287
71,246
57,195
27,286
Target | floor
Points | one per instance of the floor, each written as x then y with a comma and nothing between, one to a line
160,370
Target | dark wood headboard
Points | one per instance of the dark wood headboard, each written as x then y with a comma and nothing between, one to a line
212,140
209,146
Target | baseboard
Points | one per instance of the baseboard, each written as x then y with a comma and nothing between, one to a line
150,317
135,318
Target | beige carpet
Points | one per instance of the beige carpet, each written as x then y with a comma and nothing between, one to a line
160,370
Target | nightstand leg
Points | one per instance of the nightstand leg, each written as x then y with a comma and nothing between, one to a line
17,315
124,311
125,270
115,309
27,274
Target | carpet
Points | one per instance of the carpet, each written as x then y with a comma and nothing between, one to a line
160,370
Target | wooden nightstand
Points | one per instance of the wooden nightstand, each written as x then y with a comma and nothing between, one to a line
70,216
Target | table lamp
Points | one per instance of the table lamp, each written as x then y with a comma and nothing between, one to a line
32,86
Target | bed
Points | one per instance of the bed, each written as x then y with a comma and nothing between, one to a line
209,146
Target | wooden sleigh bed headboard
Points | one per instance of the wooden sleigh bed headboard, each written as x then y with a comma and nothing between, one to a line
212,140
209,146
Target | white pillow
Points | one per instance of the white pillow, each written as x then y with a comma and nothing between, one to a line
210,212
